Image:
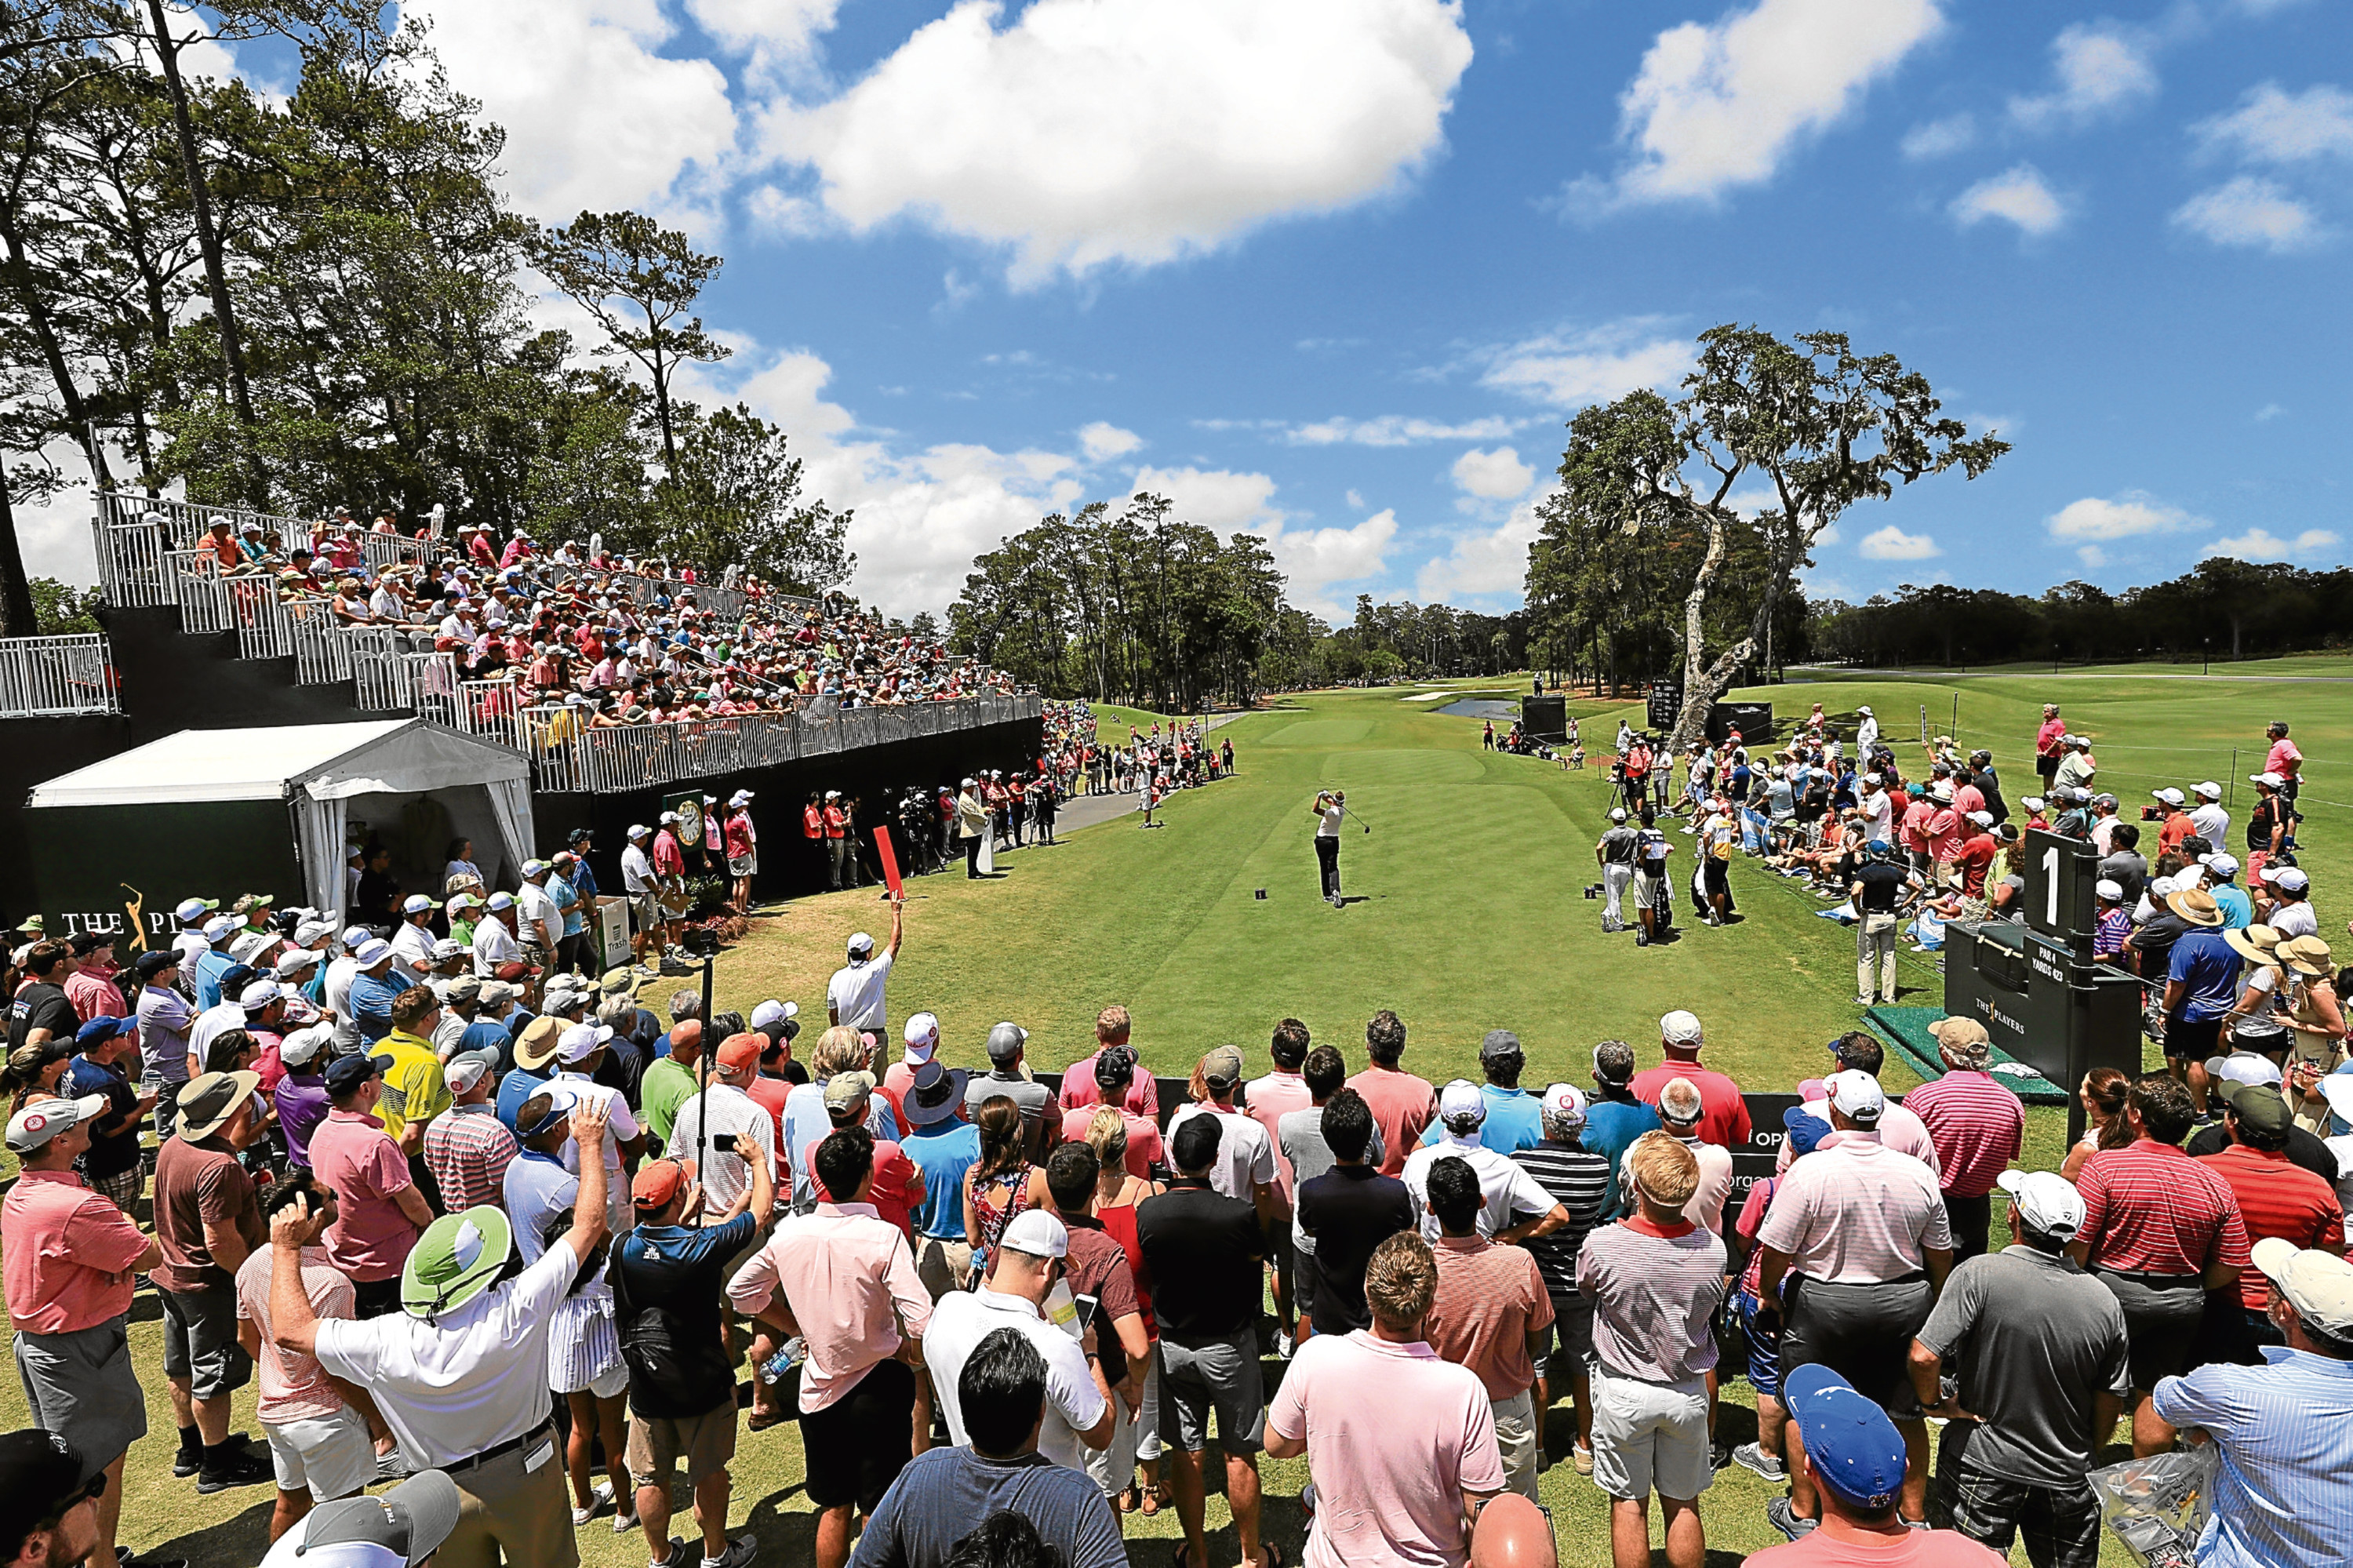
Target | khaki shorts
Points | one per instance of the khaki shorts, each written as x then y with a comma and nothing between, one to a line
943,1266
657,1443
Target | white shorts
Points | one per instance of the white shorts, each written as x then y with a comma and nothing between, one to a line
332,1456
1650,1436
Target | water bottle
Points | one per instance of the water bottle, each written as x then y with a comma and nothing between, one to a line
788,1356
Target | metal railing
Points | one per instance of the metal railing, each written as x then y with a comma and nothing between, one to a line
45,676
568,755
379,668
196,588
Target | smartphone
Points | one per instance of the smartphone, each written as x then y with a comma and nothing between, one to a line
724,1141
1088,1306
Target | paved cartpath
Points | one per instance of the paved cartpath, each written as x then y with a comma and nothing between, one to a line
1091,810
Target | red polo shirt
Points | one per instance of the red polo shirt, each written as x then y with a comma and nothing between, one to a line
2277,1199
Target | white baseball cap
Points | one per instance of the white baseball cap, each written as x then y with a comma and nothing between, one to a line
582,1041
42,1119
2318,1285
2110,889
2221,864
1680,1026
1565,1101
2170,797
2243,1067
2044,1203
372,952
299,1048
1461,1100
1037,1234
1858,1093
2274,779
2211,791
2287,878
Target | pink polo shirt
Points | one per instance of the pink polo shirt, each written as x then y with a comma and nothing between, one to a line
1268,1100
1402,1106
849,1280
1857,1212
1977,1126
1079,1087
2283,759
372,1235
69,1253
1390,1471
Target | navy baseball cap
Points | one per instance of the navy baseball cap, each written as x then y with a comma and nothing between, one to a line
101,1029
346,1073
1853,1448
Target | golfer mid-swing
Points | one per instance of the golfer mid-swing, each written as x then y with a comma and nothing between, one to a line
1331,805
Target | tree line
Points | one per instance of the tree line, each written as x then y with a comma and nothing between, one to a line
319,302
1130,604
2224,609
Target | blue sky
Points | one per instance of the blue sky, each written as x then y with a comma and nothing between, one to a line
1338,271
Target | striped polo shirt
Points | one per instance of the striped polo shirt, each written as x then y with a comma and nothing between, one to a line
2277,1199
2149,1208
1977,1126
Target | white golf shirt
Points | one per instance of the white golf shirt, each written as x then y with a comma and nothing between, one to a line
1073,1404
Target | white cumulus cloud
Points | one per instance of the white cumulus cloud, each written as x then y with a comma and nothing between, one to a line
1484,563
2018,196
1938,138
1568,369
594,118
2251,211
2103,520
1893,543
1718,105
2260,545
2100,71
2276,127
1314,560
1399,431
1497,475
1103,440
1088,132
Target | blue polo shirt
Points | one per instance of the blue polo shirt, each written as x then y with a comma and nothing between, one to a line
372,1000
206,973
943,1152
1514,1120
2238,909
513,1089
2208,967
1610,1128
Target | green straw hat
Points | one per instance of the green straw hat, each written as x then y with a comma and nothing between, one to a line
456,1258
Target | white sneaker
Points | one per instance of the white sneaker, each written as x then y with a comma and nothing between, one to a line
1284,1346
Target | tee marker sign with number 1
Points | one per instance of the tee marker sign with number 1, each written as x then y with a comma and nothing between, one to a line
889,861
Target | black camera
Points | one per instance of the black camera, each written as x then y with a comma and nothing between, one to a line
724,1141
2152,813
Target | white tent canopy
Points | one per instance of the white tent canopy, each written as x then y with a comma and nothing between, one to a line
316,767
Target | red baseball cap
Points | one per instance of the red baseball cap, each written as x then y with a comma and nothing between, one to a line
659,1181
738,1052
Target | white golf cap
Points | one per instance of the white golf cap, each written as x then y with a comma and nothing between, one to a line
2210,789
500,901
372,952
416,903
1617,814
2243,1067
2221,864
1565,1101
1858,1093
741,798
43,1119
2170,796
1680,1027
258,995
582,1041
2044,1203
1865,710
1459,1100
2318,1285
220,925
1037,1234
2109,889
295,962
860,942
2286,878
1982,819
2273,779
771,1013
301,1047
639,831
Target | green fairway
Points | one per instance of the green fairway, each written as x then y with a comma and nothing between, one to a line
1466,914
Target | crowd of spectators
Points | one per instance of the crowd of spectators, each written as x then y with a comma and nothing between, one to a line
608,638
482,1240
